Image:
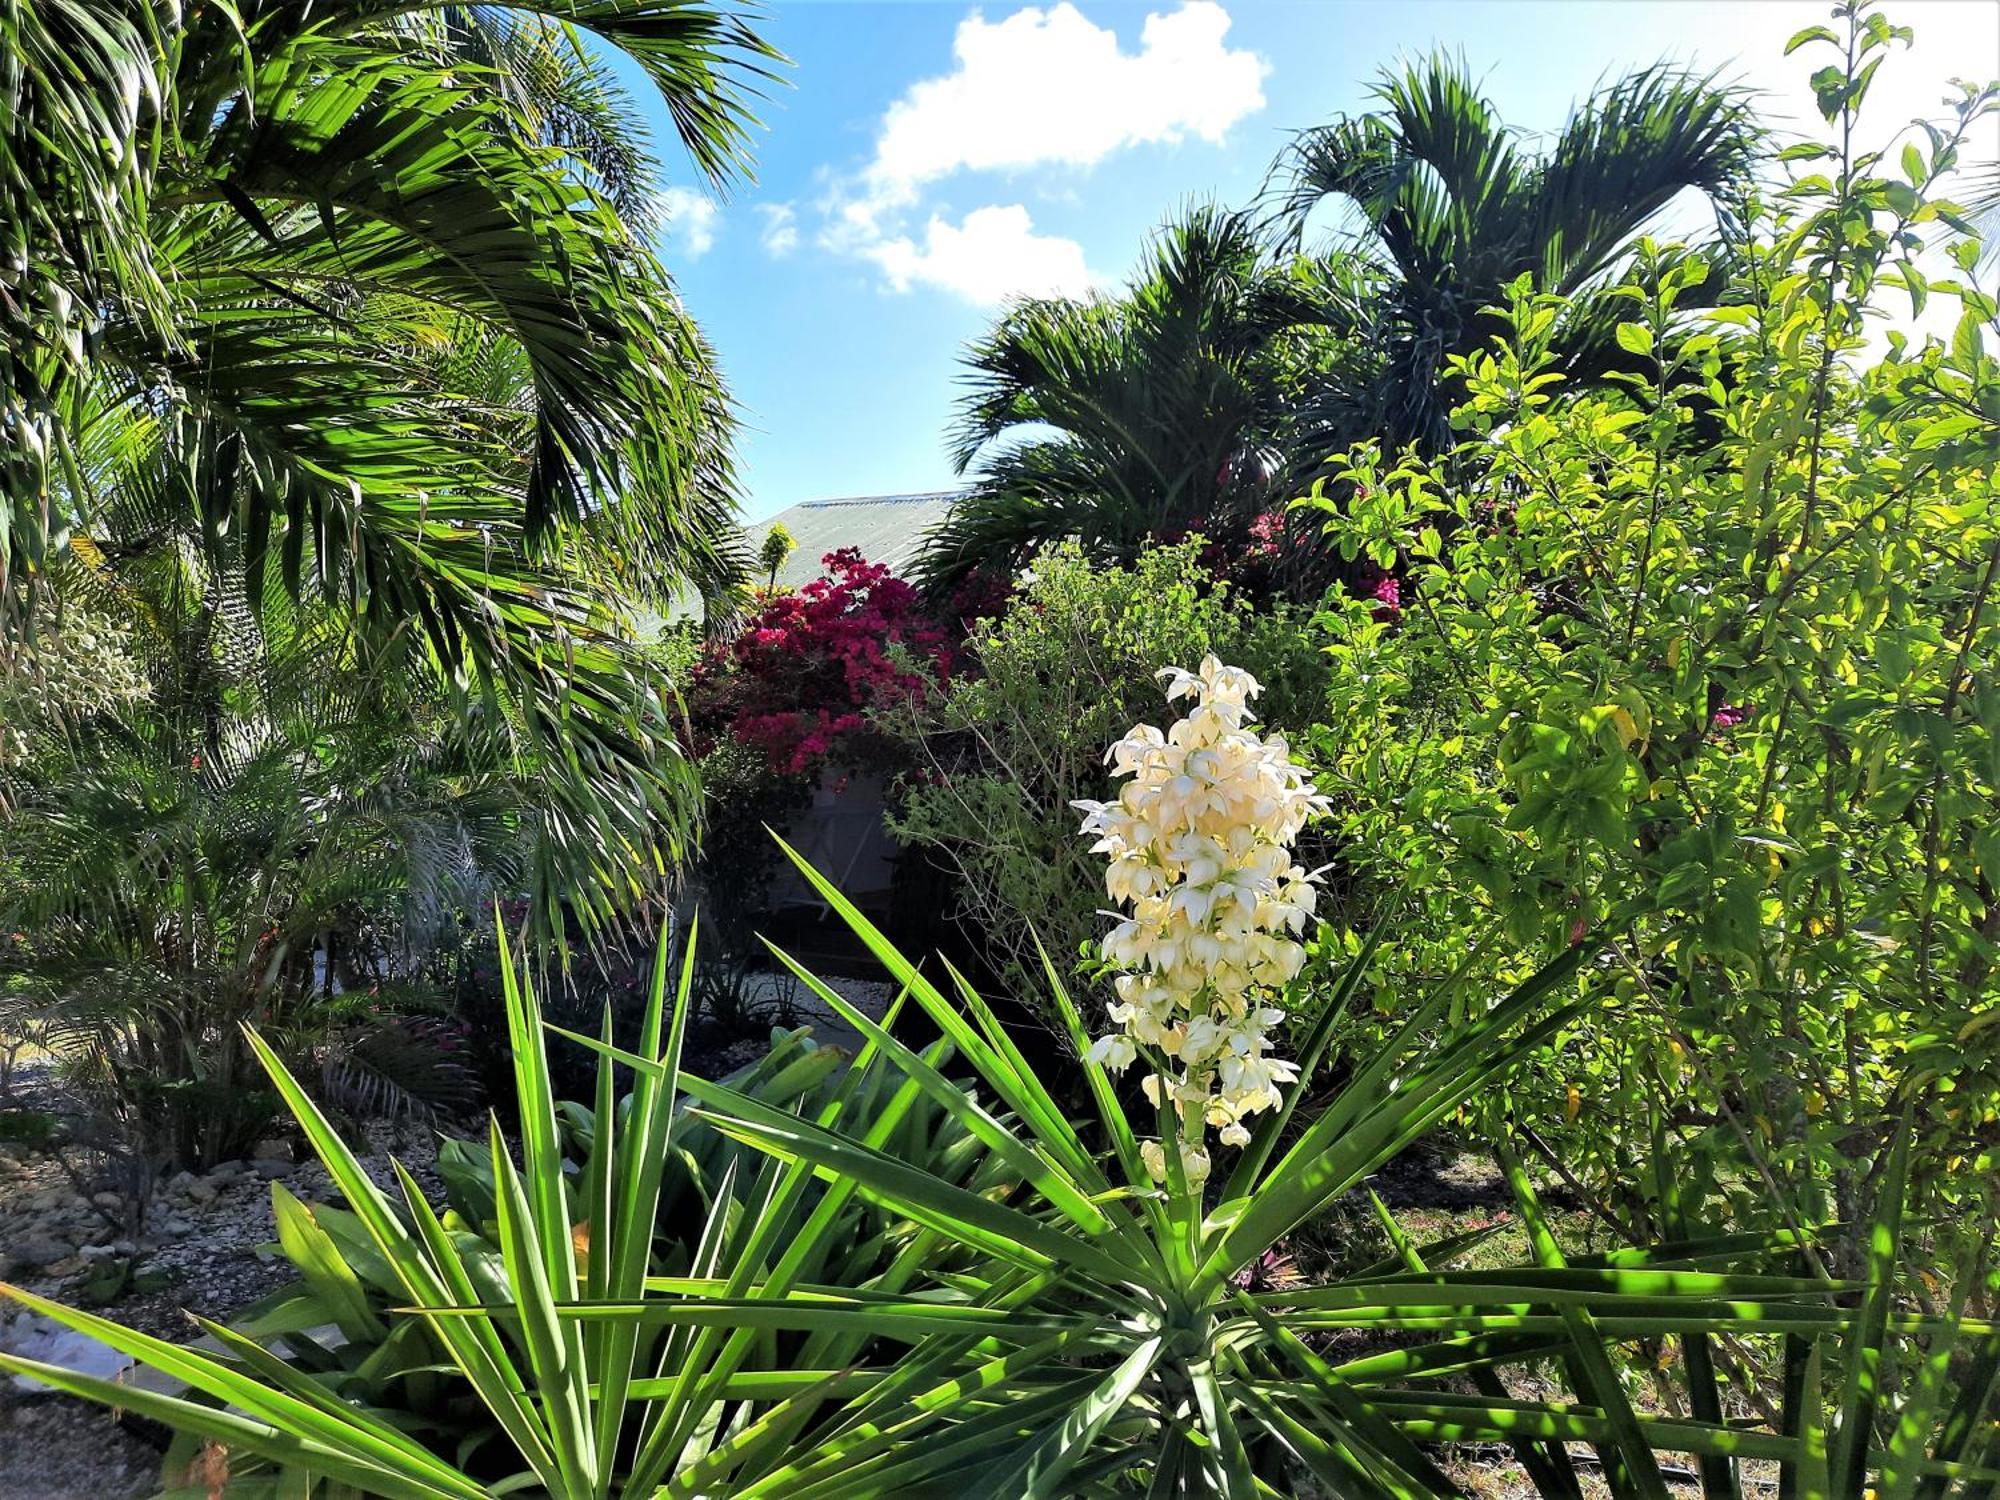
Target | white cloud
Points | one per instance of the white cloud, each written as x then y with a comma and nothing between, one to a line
781,228
1049,87
689,220
1041,88
991,255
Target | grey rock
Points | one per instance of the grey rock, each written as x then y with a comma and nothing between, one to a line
273,1150
39,1252
49,1343
110,1202
202,1190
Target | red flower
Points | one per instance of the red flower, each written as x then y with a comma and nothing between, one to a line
1386,590
809,665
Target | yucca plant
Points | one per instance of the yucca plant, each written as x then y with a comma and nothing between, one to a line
1039,1318
1102,1345
472,1354
340,1322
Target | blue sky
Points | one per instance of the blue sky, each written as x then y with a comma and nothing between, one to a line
929,159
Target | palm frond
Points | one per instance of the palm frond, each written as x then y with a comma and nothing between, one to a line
1114,419
567,92
1451,212
1626,154
87,89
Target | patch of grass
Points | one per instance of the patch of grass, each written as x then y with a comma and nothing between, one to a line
28,1127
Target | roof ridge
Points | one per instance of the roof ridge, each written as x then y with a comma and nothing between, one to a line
908,498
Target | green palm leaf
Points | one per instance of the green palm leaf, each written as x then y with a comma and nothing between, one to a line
1447,212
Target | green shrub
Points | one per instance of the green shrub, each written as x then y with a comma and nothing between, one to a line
1071,666
34,1128
1737,697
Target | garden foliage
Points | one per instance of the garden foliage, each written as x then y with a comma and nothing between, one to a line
1068,668
1041,1318
1706,658
1645,822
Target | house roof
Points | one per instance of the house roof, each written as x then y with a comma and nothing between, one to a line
886,529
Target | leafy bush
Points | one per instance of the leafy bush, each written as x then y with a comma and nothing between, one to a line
899,1289
34,1128
742,796
799,679
266,832
1070,667
1737,695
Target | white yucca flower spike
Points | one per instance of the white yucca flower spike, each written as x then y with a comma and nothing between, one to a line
1199,849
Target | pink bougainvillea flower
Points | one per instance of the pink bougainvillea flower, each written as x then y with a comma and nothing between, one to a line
800,678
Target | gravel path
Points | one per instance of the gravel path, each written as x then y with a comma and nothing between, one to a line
208,1250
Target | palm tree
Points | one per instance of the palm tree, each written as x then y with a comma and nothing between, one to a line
237,816
344,292
1452,210
1119,419
776,550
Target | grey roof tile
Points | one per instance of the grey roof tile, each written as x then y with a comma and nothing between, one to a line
887,529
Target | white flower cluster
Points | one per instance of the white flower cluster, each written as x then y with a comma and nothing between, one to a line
1200,847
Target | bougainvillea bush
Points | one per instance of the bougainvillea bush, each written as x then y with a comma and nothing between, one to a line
791,698
799,680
